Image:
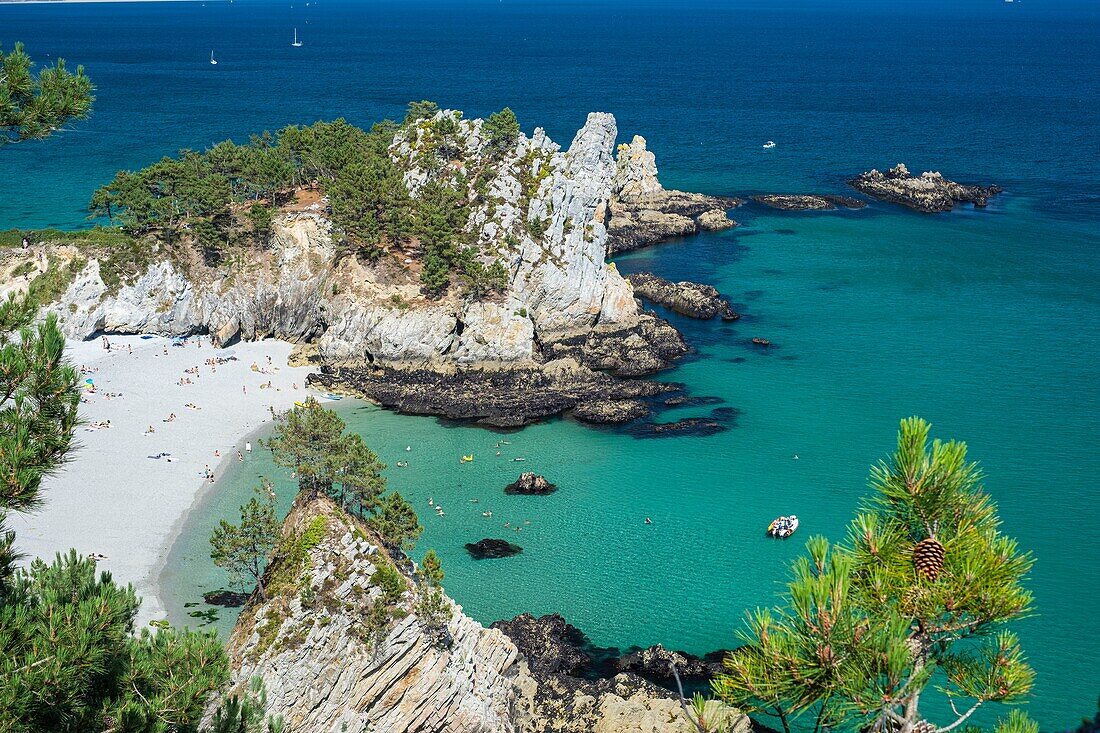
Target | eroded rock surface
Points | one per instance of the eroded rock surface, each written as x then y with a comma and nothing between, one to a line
929,192
506,397
530,483
328,668
686,298
641,212
570,699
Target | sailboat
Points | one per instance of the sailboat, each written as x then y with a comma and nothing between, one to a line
296,43
212,59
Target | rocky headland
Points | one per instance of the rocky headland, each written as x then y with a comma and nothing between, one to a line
565,333
929,192
641,212
808,202
690,299
338,649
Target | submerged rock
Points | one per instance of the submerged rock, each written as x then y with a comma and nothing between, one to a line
686,298
929,192
530,483
810,202
490,549
223,597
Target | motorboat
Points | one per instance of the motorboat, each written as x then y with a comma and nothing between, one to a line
769,145
783,527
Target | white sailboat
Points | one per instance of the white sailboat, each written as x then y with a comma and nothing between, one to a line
296,43
212,60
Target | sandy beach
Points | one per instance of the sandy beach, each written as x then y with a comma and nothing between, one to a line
116,498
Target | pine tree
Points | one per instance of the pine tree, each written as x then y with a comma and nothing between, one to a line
38,412
243,549
35,105
501,130
310,441
71,663
396,523
868,621
432,609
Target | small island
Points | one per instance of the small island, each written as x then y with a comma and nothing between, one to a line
929,192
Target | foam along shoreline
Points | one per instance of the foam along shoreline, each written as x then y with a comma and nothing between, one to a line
114,498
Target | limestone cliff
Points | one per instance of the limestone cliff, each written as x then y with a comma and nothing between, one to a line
338,652
541,211
642,212
366,313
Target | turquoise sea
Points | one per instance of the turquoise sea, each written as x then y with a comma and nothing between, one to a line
984,322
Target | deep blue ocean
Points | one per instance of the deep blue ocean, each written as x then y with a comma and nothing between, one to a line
984,322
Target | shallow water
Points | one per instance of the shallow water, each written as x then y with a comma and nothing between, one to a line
984,322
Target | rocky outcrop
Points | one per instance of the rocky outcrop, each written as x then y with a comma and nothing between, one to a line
641,212
538,210
811,202
647,346
610,412
492,549
656,663
571,698
686,298
929,192
501,397
530,484
338,653
311,642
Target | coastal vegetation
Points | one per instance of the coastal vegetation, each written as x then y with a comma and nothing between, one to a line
71,659
311,441
227,196
35,104
919,593
242,549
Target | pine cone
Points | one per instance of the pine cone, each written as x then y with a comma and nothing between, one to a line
928,558
924,726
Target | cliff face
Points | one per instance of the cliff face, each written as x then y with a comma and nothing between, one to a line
311,642
541,215
330,667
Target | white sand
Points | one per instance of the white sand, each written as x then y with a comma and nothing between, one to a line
113,498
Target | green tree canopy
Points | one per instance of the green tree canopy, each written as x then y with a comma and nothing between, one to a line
310,441
39,397
396,523
243,549
924,585
33,105
71,663
501,130
420,110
